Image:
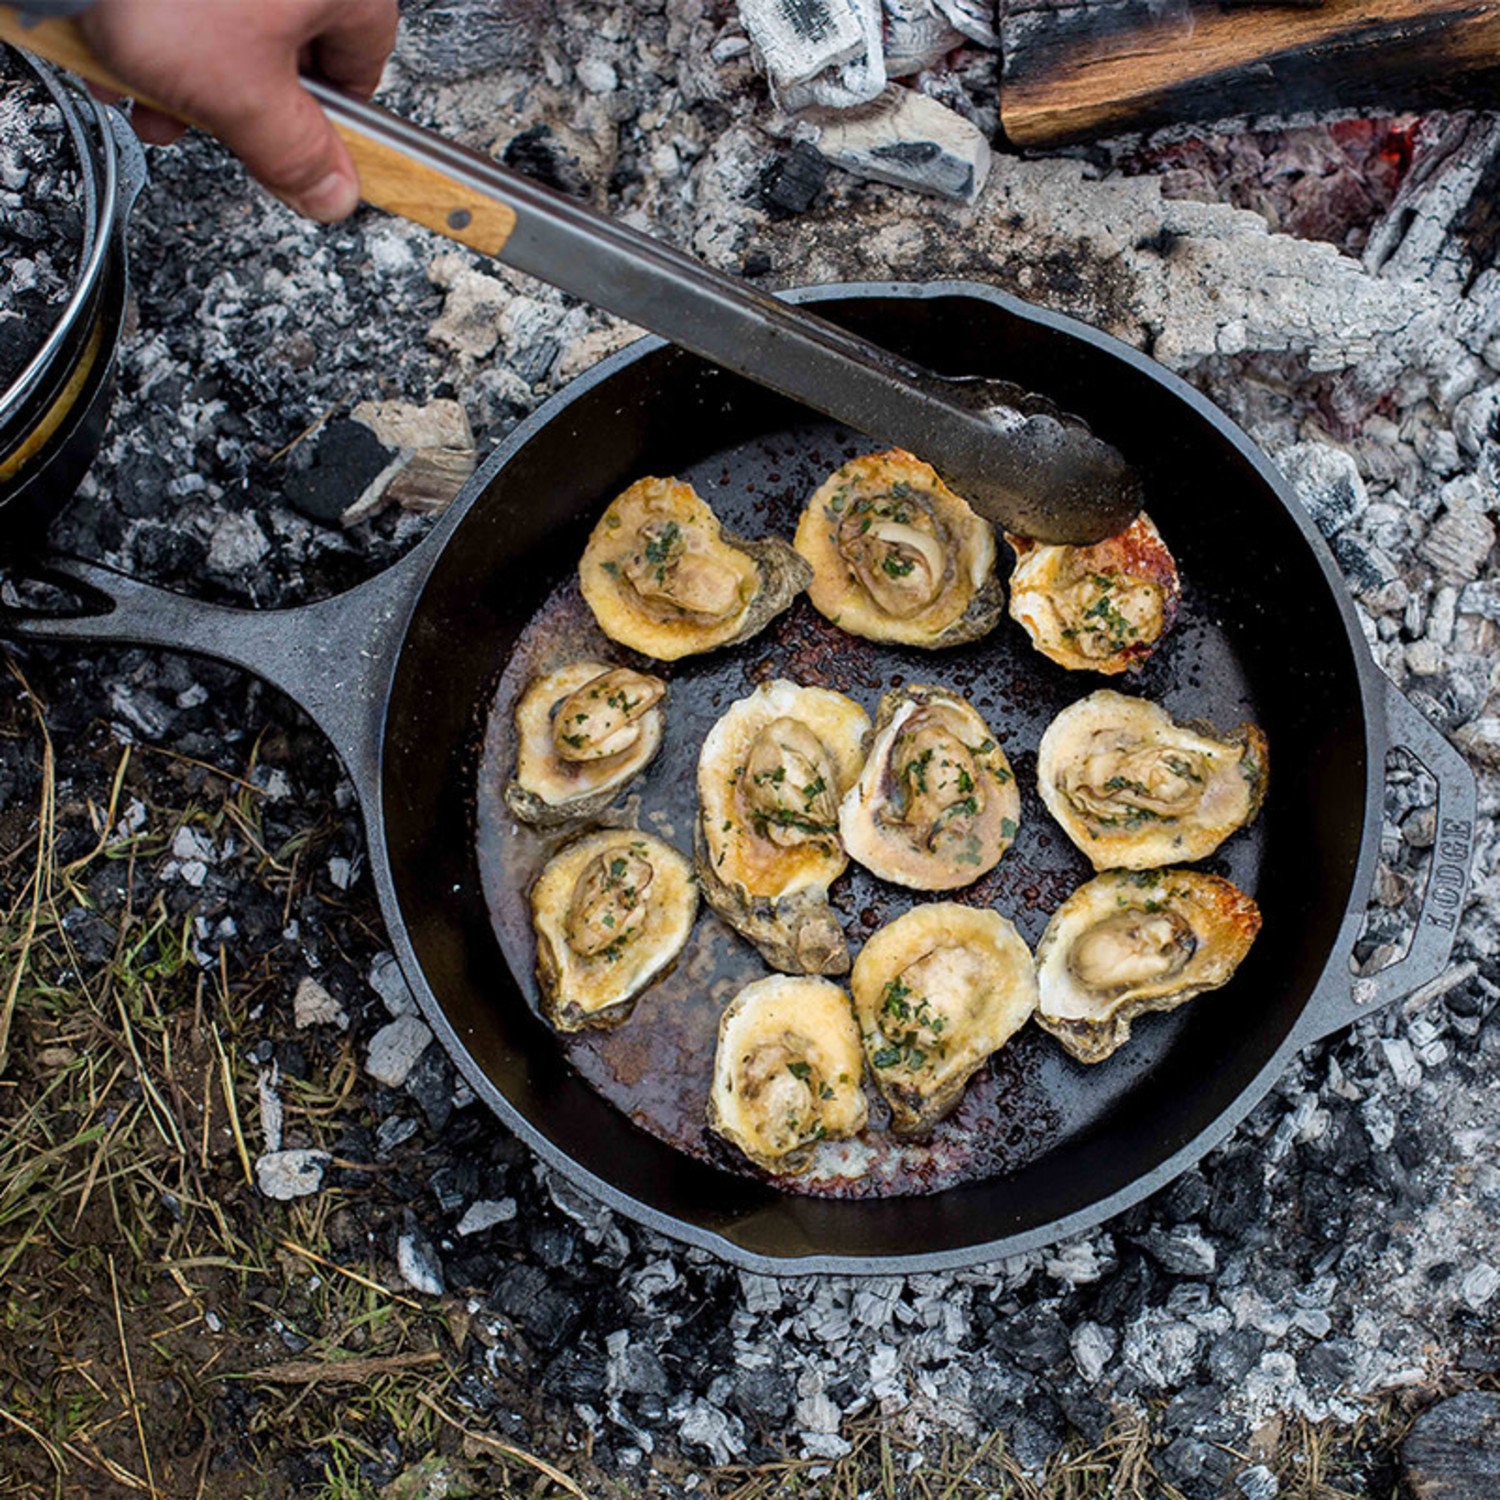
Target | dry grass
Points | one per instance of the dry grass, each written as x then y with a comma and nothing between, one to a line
151,1294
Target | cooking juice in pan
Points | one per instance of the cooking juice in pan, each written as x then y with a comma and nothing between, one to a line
657,1067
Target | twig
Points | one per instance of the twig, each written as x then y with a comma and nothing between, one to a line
40,877
53,1457
340,1371
226,1075
483,1440
333,1265
135,1405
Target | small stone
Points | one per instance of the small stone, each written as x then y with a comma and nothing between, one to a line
485,1214
1453,1449
1258,1483
395,1048
284,1175
1328,484
312,1005
907,139
1480,1285
191,844
387,980
1458,544
1093,1348
417,1260
470,321
236,545
598,76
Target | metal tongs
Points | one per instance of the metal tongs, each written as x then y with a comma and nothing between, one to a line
1016,458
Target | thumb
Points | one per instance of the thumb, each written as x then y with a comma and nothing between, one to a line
290,147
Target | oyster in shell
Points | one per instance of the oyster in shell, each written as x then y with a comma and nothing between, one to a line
664,578
611,912
1135,789
935,993
897,556
582,733
1101,608
787,1071
1127,943
936,804
770,776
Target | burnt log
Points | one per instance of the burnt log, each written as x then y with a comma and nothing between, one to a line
1093,68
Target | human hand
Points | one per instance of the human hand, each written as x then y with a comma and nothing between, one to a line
232,67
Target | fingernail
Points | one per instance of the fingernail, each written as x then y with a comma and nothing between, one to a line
334,198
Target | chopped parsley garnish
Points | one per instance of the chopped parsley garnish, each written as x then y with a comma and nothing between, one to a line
659,549
800,1070
897,567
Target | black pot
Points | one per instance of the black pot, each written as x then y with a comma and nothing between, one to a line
52,417
399,672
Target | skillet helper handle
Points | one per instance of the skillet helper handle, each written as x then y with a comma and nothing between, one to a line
389,177
1431,950
332,658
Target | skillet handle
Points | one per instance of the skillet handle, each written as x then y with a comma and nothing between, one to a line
334,659
1447,880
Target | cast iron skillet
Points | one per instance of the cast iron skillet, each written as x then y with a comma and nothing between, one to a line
399,672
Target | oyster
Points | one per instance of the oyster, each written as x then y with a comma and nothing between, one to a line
770,776
935,993
582,733
936,804
611,912
787,1071
664,578
1134,789
1096,609
1127,943
897,556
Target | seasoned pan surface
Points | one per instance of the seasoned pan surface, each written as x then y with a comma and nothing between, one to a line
1030,1099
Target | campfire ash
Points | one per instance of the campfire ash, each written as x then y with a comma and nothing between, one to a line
294,402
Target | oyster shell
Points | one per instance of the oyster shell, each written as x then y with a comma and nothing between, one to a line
611,912
1101,608
582,733
787,1071
770,776
936,804
664,578
897,556
935,993
1134,789
1127,943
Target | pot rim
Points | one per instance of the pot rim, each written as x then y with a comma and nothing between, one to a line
99,165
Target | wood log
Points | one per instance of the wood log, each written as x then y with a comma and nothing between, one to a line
1093,68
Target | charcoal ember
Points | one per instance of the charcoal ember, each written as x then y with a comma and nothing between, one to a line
1453,1449
554,1245
538,153
1199,1468
1035,1430
764,1397
328,472
791,184
449,40
1328,1364
641,1373
1036,1339
546,1314
430,1083
1327,482
454,1185
1181,1250
1233,1355
1240,1199
1125,1295
579,1374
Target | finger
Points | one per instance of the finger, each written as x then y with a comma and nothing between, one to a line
351,50
104,95
154,127
286,141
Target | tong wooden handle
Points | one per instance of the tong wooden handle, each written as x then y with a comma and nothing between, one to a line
389,177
